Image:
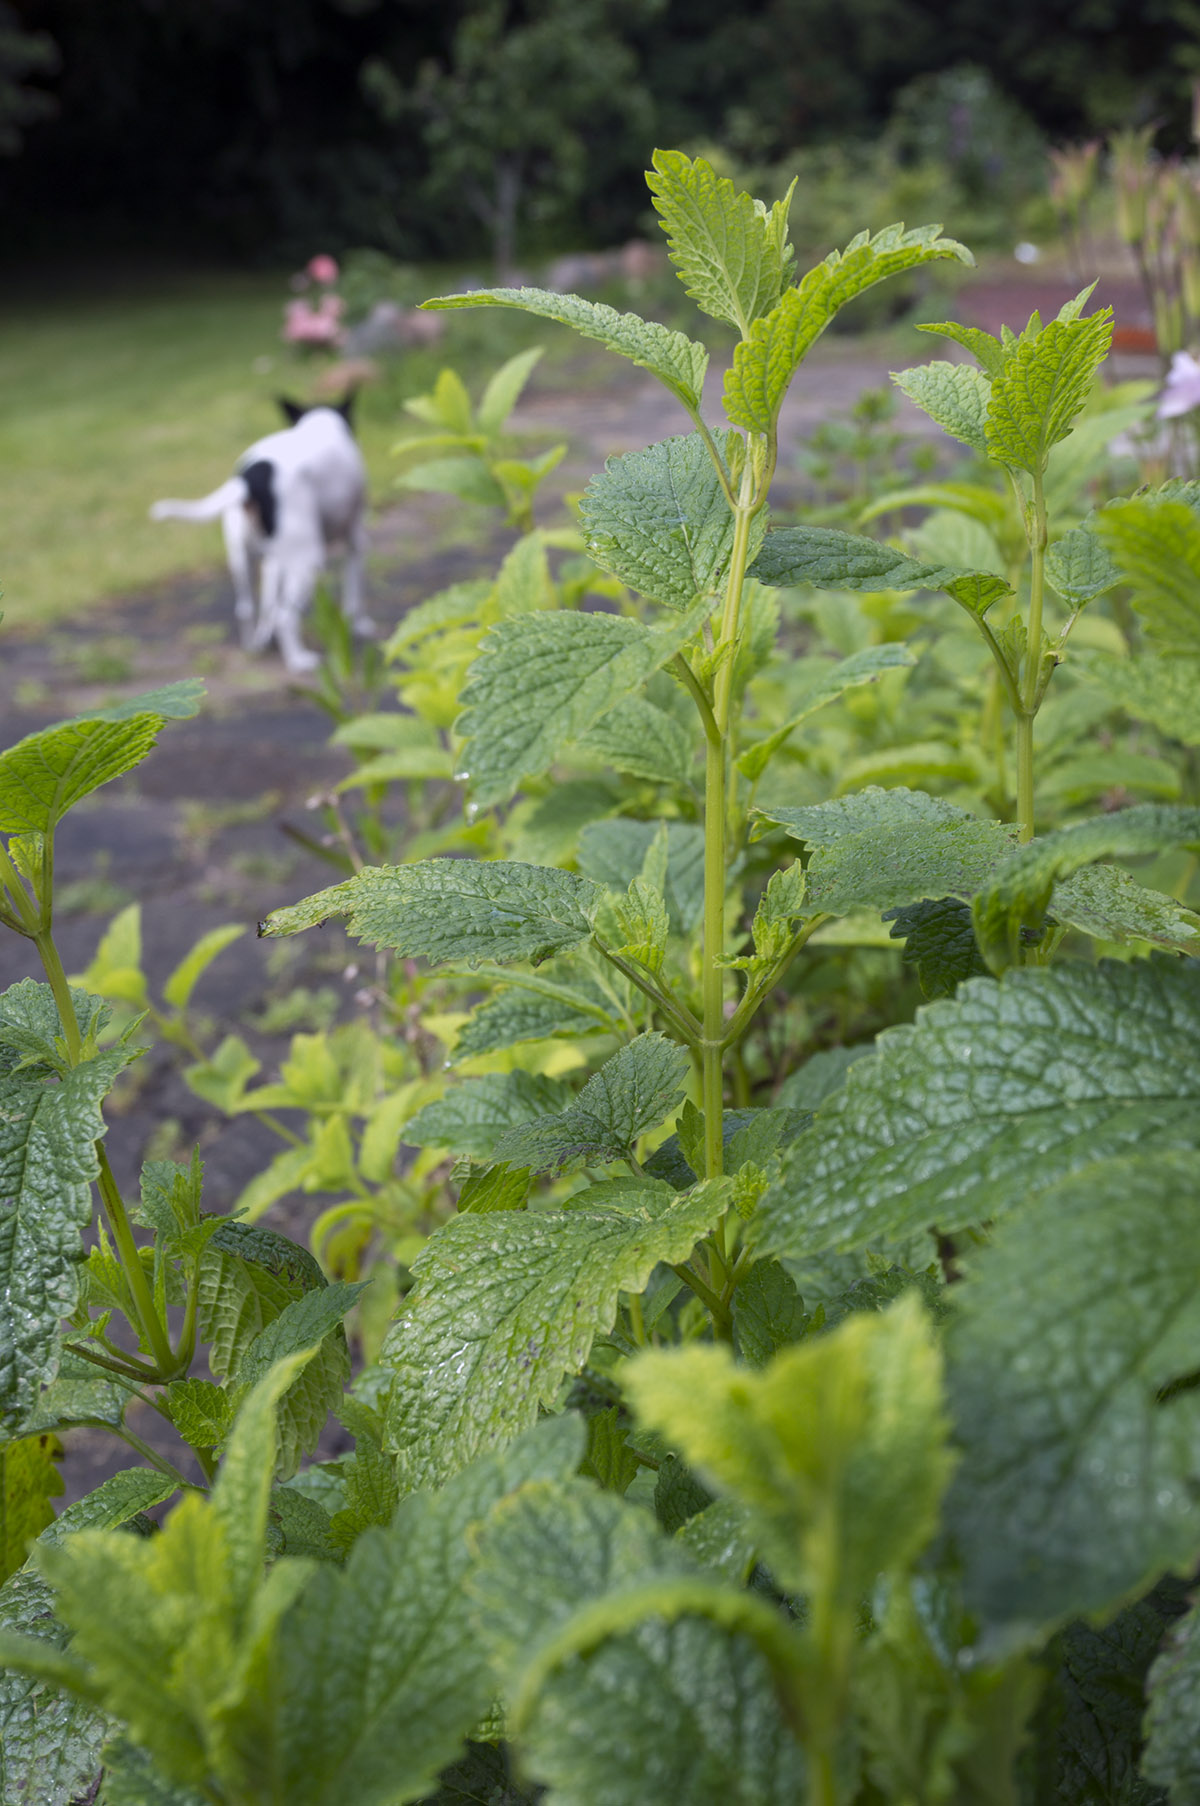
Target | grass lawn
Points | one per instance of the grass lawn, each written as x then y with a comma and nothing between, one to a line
154,390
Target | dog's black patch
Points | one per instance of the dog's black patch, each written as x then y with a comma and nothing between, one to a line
292,411
259,479
345,407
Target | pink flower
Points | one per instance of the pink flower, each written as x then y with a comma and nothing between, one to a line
322,269
304,324
1182,391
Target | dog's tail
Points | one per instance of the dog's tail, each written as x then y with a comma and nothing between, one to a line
209,507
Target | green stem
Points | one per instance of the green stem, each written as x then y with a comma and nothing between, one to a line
128,1366
148,1454
1025,775
694,687
10,878
53,968
149,1321
718,1309
1033,663
678,1014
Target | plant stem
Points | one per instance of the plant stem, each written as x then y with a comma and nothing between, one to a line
1031,675
53,968
678,1014
718,1309
148,1318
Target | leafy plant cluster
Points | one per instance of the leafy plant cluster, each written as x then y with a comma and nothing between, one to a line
746,1420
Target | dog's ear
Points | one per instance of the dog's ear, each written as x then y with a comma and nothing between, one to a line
292,411
345,407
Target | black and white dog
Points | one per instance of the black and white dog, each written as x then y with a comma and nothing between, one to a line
298,495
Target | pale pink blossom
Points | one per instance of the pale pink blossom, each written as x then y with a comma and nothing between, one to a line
322,269
1182,390
304,324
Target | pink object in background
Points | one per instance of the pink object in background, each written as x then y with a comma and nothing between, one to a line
322,269
1182,390
304,324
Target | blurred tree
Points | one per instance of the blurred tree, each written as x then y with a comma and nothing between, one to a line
511,116
22,54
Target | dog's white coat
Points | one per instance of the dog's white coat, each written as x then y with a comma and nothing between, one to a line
320,486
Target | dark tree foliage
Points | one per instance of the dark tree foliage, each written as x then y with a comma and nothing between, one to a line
255,125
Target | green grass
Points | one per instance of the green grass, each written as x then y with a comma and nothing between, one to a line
114,400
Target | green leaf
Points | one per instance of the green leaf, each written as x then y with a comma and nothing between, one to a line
614,852
1172,1756
955,395
78,1394
989,1099
49,1741
1080,566
630,1094
301,1325
178,701
643,740
658,519
473,1115
730,251
820,1076
201,1411
831,559
31,1027
490,1188
884,849
939,940
48,1132
1156,548
113,1503
1042,387
837,1449
187,974
690,1710
241,1494
447,910
535,1288
482,1778
863,667
988,351
467,477
1014,904
1165,691
516,1016
504,388
247,1276
1077,1482
29,1479
765,362
609,1460
1104,901
131,1778
768,1313
677,361
542,680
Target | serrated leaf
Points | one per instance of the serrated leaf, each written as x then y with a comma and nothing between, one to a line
1042,387
677,361
32,1029
1077,1483
49,1741
541,681
731,253
79,1393
766,361
474,1114
939,940
862,667
989,1099
482,1778
29,1479
1165,691
955,395
1105,902
614,852
516,1016
831,559
658,519
178,701
536,1288
46,773
988,351
837,1449
1080,566
1172,1757
768,1312
643,740
1156,547
48,1132
201,1411
1015,902
490,1188
691,1712
447,910
630,1094
247,1276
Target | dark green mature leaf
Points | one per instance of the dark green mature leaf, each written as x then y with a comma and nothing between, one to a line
939,940
658,519
862,667
613,853
731,252
519,1015
47,1164
1042,387
31,1027
482,1778
989,1099
1172,1721
247,1277
542,680
79,1393
820,1076
473,1115
766,361
1156,547
1015,901
312,1321
768,1312
49,1741
446,910
644,740
132,1778
631,1093
383,1673
1104,901
955,395
678,362
505,1305
1080,566
1078,1479
690,1710
831,559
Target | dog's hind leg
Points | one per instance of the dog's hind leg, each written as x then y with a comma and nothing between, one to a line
236,529
297,584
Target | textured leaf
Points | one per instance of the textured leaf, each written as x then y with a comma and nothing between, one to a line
541,681
1156,548
837,1449
658,519
473,1115
1080,566
1172,1721
248,1275
31,1027
955,395
201,1411
989,1099
730,251
1165,691
677,361
131,1778
113,1503
1105,902
630,1094
831,559
643,740
614,852
1078,1479
455,909
939,940
517,1015
820,1076
1042,387
49,1741
79,1393
764,364
989,353
768,1312
490,1188
863,667
505,1305
884,849
47,1164
690,1711
42,776
1014,904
